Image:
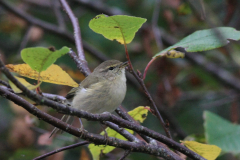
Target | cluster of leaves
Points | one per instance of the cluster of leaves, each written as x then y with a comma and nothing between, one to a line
39,66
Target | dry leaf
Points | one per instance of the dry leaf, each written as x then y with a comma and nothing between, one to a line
54,74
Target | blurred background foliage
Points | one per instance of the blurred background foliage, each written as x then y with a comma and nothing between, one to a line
182,89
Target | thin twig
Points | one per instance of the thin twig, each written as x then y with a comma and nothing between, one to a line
122,113
62,149
25,38
5,83
126,153
76,28
56,8
156,31
82,69
77,37
100,7
124,132
54,97
140,80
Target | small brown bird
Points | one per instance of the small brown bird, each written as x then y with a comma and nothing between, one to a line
102,91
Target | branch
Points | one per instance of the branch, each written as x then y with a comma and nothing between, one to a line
122,131
76,28
99,7
50,28
82,114
122,113
68,36
25,38
82,68
5,83
156,32
77,37
126,153
95,138
62,149
140,81
56,9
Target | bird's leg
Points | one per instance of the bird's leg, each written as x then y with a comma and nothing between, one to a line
105,135
81,127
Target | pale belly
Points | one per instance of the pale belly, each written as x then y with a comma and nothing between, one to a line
103,98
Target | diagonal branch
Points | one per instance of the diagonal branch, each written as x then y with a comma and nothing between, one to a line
82,114
95,138
77,37
62,149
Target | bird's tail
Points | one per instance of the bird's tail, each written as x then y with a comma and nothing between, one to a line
65,118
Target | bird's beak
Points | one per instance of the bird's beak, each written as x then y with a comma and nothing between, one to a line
124,64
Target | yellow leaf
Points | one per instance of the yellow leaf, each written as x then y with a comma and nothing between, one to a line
139,114
54,74
210,152
25,83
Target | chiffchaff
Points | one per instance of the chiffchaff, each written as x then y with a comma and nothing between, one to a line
102,91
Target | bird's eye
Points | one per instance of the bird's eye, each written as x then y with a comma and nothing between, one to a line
111,68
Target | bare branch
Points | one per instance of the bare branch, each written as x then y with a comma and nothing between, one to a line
97,139
82,114
25,38
156,31
77,37
82,68
56,8
62,149
4,83
126,153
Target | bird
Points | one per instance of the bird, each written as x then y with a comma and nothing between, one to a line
101,91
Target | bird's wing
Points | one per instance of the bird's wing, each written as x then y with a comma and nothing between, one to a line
71,93
90,80
86,83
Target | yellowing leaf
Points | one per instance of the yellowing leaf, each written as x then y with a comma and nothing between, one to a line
120,27
210,152
25,83
138,114
54,74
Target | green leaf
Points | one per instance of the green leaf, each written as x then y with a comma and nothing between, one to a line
120,27
204,40
138,114
222,133
39,58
